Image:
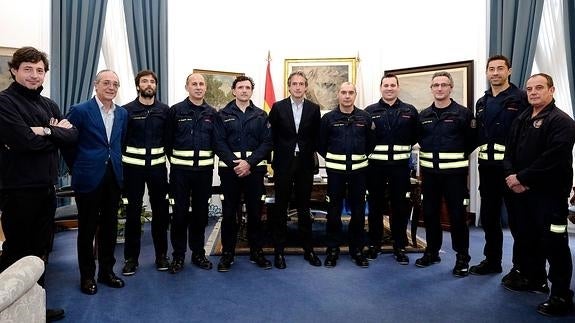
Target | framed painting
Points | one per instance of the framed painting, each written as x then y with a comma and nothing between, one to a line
219,87
5,56
324,75
415,82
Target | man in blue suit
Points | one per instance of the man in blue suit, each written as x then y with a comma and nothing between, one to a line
96,166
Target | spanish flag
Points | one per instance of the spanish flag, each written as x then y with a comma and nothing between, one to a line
269,96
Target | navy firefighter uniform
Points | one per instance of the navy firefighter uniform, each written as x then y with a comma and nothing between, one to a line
346,139
191,139
144,164
539,152
395,134
247,136
446,137
494,116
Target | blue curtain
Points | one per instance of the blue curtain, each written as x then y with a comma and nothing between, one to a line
147,26
514,27
77,28
569,30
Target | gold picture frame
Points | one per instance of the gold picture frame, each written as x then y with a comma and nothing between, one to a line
414,83
219,86
324,75
5,57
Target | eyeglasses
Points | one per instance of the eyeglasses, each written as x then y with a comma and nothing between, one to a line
437,85
109,83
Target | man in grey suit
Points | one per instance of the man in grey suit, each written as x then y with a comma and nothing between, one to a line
295,125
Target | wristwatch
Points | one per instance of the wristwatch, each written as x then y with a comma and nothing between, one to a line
47,131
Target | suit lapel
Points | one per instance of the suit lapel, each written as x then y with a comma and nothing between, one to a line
96,117
116,127
306,113
289,113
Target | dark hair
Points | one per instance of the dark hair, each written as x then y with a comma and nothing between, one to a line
498,58
299,73
546,76
242,78
388,76
28,54
143,73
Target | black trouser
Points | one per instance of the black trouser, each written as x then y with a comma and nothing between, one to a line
533,214
396,179
186,225
452,187
252,187
299,180
28,224
492,188
338,184
98,215
135,181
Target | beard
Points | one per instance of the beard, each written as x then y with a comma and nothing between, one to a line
148,93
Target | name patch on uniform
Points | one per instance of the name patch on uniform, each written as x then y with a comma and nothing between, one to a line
185,119
138,118
406,116
375,117
448,120
426,121
512,107
230,119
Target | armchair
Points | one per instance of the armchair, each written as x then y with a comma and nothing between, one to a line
21,298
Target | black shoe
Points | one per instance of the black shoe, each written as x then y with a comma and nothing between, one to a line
514,273
486,267
54,314
162,263
312,258
226,262
556,306
201,261
88,286
427,260
372,252
257,257
461,268
111,280
280,261
332,256
359,259
130,267
401,257
177,265
520,283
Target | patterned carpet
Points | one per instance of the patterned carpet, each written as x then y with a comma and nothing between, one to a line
214,247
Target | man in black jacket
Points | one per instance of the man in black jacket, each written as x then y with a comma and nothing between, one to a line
144,163
31,131
243,142
295,127
446,136
190,142
395,133
345,141
539,168
495,111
